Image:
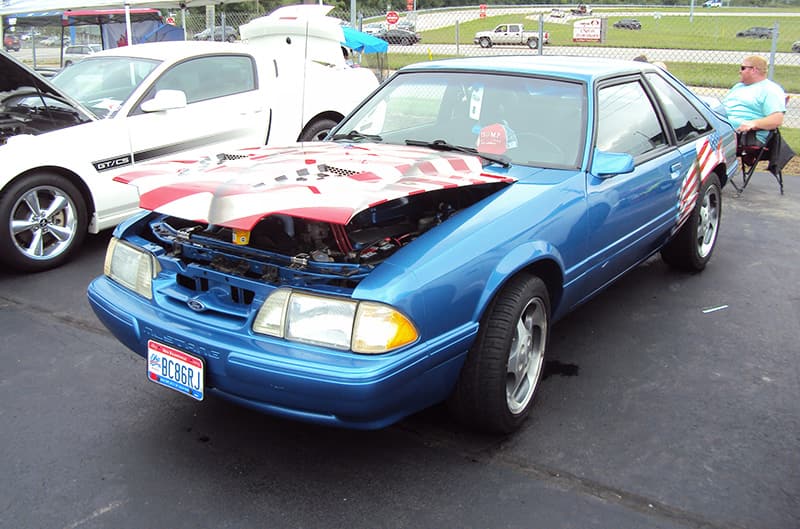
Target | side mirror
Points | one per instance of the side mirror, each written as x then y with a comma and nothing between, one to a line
607,164
165,100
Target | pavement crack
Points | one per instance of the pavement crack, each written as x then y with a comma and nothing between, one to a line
489,450
93,326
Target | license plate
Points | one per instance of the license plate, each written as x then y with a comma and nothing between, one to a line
175,369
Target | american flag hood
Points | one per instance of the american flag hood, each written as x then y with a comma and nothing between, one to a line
321,181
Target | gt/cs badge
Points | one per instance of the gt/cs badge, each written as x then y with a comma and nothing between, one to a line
112,163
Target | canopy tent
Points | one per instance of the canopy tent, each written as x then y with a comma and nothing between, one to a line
147,25
10,8
363,42
17,7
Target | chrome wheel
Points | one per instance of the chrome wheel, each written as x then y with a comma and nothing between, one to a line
43,222
496,386
708,224
526,356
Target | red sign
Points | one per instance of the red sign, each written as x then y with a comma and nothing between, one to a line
482,11
392,17
170,21
409,5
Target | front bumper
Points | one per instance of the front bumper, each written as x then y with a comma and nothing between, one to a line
296,381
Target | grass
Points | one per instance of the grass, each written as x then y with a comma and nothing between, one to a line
726,75
667,32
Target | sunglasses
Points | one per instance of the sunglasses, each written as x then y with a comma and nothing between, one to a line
744,67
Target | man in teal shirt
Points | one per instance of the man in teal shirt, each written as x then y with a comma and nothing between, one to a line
755,103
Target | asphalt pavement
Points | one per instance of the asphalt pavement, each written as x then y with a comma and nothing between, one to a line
671,401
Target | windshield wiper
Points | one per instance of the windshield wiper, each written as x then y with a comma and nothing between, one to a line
441,145
355,135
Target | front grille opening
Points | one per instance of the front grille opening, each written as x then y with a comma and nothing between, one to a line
197,284
242,295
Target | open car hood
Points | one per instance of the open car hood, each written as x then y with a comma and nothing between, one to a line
320,181
29,104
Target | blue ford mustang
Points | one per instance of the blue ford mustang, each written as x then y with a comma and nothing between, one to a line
422,252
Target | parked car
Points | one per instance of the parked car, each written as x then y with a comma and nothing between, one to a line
118,108
796,46
628,23
228,33
581,10
374,28
406,25
423,253
399,36
11,42
557,13
78,52
755,33
712,3
510,34
50,41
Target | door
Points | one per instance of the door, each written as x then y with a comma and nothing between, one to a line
501,35
225,110
629,215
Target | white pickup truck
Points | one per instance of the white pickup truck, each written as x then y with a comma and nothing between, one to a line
509,34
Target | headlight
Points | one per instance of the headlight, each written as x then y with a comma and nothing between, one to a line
131,267
363,327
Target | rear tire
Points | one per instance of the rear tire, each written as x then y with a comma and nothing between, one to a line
44,222
693,245
500,376
533,43
317,130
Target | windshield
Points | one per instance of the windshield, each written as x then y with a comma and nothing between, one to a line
103,84
528,120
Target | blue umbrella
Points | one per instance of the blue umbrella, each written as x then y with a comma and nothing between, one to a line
363,42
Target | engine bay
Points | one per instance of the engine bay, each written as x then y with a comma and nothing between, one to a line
29,111
303,245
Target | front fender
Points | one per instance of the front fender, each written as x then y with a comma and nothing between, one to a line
518,259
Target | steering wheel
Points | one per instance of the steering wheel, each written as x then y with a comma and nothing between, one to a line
538,143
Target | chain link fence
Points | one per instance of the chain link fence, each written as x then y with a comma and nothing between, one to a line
703,46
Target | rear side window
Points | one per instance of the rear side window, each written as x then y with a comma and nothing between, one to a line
627,120
687,122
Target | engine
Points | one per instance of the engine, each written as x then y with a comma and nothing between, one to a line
368,239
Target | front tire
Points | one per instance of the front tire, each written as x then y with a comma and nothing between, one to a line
317,130
496,386
485,42
693,245
44,222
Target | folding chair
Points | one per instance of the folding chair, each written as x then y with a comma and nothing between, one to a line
751,152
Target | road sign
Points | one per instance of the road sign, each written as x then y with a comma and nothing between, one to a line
392,17
587,30
170,21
